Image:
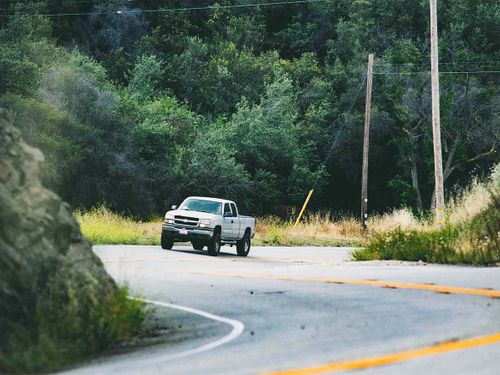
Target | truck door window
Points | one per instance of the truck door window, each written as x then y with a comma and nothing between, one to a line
227,210
233,208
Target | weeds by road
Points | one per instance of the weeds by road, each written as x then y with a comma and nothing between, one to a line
66,337
470,235
102,226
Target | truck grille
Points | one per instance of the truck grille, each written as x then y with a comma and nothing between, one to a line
185,220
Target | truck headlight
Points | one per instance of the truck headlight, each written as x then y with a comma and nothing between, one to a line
169,219
204,223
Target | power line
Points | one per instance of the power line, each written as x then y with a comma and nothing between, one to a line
335,141
323,164
169,10
486,62
68,2
441,72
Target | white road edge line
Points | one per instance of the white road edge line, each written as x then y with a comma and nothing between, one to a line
238,328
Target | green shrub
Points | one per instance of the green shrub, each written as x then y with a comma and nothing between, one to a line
471,235
412,245
469,243
54,341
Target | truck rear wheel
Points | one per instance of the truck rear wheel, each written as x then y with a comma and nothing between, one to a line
214,244
166,243
243,245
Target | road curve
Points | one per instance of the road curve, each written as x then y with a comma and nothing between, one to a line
307,311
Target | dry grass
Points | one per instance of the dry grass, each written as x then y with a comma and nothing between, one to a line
461,208
102,226
316,229
399,218
469,202
470,234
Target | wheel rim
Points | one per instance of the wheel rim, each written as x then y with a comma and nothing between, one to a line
247,246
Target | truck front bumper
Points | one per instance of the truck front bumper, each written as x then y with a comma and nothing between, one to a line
187,234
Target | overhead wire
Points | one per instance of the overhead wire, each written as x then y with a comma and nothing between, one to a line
441,72
168,10
484,62
346,118
332,147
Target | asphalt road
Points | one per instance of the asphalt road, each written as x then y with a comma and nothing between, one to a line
309,309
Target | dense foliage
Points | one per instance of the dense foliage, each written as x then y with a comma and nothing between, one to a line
139,109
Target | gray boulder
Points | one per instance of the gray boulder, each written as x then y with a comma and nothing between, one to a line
55,295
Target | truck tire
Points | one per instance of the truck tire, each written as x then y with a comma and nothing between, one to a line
214,244
243,245
166,243
197,245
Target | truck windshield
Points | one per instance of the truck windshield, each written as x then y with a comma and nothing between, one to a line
202,205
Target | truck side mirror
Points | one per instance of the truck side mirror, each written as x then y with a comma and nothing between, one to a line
174,207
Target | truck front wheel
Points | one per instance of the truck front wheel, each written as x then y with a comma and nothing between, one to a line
166,243
214,244
243,245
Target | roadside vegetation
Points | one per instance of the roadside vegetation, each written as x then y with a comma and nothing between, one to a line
101,226
58,337
314,230
470,234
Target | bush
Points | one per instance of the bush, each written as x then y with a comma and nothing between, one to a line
471,235
412,245
58,340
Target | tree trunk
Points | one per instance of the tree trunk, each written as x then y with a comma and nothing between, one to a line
449,167
414,181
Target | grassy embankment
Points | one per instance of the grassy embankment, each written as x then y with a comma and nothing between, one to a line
470,234
102,226
73,334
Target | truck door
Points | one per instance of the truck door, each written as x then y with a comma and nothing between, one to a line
228,223
237,223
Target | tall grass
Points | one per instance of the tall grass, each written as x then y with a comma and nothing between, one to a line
102,226
76,330
317,229
470,235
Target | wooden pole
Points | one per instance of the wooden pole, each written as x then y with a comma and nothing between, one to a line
436,127
366,144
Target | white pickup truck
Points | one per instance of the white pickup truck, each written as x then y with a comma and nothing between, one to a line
208,222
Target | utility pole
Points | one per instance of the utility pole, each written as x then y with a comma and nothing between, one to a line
366,143
436,127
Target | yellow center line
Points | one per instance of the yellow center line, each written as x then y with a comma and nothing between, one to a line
395,285
371,362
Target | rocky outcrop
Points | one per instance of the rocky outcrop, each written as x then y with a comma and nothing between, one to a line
54,291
